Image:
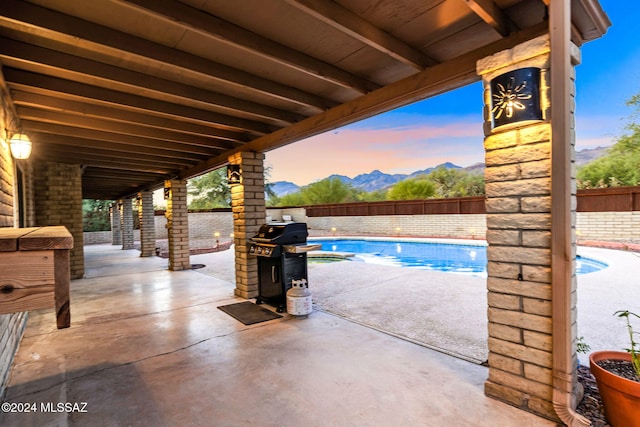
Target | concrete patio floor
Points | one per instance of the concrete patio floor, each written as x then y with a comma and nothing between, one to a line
149,347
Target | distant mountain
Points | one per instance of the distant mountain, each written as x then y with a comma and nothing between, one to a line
590,154
282,188
378,180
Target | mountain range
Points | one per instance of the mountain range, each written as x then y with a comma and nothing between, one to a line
378,180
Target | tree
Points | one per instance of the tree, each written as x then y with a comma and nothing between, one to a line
328,190
456,183
411,189
209,190
95,215
621,165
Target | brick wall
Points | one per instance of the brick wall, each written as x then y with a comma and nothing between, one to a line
601,226
58,190
178,225
248,207
609,226
11,325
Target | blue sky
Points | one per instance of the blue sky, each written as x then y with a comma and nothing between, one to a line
449,127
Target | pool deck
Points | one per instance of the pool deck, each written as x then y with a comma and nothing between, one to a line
149,347
419,305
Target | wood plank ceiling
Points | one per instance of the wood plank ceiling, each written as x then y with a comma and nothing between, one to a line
138,91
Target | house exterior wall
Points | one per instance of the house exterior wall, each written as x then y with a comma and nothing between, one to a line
11,325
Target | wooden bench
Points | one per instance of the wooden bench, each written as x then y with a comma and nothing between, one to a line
35,270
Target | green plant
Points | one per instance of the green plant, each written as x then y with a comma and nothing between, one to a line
635,352
582,347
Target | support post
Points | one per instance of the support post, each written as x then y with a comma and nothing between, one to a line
249,213
524,204
177,224
127,224
147,224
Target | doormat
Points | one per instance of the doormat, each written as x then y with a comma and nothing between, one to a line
249,313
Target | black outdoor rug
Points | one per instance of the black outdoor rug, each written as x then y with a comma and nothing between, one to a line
249,313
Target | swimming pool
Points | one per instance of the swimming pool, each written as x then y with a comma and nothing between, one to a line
455,257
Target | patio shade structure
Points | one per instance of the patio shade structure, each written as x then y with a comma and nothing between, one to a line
140,91
137,94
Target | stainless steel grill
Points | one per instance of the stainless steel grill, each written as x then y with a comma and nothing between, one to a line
281,249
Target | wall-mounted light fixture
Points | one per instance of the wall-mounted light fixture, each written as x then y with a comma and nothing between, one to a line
515,97
234,174
20,145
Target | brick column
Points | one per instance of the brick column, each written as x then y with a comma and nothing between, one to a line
249,213
178,225
518,191
116,224
127,224
147,224
58,201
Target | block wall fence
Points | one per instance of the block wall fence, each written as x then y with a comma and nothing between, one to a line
596,226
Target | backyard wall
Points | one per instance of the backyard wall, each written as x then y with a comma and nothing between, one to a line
593,226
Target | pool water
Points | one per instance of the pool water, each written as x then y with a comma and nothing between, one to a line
449,257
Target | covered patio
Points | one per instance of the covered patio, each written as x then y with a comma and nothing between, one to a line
163,355
124,97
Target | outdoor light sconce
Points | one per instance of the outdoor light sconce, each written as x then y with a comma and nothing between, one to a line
20,145
515,97
167,193
234,175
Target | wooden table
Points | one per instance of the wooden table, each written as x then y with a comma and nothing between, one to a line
35,271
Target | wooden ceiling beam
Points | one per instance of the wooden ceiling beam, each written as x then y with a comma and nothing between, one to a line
150,152
21,98
116,165
110,137
43,84
430,82
104,174
187,17
100,158
111,77
73,31
91,123
344,20
490,13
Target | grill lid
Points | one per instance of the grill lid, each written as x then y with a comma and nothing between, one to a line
282,233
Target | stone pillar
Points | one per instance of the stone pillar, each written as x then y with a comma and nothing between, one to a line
58,201
116,224
518,202
127,224
249,213
147,224
178,224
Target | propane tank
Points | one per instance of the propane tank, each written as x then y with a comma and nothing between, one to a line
299,298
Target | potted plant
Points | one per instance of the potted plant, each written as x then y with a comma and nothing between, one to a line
617,374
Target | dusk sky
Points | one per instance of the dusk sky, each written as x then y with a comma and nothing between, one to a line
449,127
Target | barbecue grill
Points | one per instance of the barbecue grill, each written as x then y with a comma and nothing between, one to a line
281,249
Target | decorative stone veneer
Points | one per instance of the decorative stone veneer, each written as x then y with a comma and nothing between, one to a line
178,224
518,191
249,213
58,201
147,224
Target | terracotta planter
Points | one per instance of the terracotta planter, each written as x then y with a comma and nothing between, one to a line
621,397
